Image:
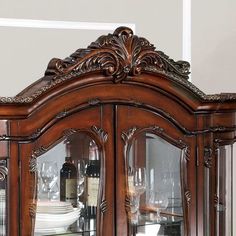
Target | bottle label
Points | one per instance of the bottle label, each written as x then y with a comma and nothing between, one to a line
71,189
93,185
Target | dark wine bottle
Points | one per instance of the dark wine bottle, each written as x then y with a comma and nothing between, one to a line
68,179
93,177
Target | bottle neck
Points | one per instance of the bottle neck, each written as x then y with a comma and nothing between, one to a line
68,159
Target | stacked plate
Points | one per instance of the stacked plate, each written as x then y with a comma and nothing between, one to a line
54,217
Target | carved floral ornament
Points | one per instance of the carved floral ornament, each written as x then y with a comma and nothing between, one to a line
119,55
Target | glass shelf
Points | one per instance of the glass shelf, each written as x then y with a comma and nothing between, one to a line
168,226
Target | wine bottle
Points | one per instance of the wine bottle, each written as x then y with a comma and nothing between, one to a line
93,177
68,179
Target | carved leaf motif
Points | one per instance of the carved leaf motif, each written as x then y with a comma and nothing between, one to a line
119,54
126,136
101,133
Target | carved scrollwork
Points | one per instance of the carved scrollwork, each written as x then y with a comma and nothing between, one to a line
127,203
69,132
94,101
61,114
187,153
119,54
33,160
208,157
188,197
216,199
101,133
103,206
3,173
33,165
126,136
32,210
157,129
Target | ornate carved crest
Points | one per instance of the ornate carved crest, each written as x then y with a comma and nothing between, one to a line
119,54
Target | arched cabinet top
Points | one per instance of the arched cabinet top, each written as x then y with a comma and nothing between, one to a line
121,57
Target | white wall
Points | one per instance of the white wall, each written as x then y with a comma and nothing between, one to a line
214,45
26,52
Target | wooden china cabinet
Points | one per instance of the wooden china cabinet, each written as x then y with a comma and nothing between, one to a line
152,153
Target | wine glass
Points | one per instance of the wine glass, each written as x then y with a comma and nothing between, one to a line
139,181
159,201
49,176
137,186
80,181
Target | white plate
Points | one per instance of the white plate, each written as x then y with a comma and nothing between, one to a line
52,221
50,231
54,207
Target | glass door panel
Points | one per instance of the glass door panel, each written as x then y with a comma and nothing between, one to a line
224,191
154,193
3,203
68,187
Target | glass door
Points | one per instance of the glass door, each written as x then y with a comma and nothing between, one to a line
224,204
156,190
3,196
68,187
154,196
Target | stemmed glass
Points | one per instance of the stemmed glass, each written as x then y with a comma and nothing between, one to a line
137,186
80,181
49,176
159,201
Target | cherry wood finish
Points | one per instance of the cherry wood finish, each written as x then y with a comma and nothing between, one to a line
117,86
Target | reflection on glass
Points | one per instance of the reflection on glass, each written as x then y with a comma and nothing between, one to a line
159,202
68,183
80,181
49,175
224,191
3,209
